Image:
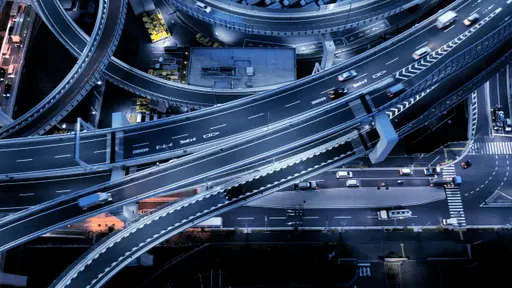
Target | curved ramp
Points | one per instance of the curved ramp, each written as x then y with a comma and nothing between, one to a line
81,78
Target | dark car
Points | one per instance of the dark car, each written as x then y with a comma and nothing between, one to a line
7,90
466,164
2,74
337,93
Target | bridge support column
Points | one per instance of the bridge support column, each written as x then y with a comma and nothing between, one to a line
10,279
97,100
5,119
388,138
328,54
128,212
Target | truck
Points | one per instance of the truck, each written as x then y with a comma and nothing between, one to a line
450,221
446,19
94,199
382,215
214,222
457,180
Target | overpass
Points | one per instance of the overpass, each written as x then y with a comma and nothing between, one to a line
277,142
135,80
81,78
272,107
294,22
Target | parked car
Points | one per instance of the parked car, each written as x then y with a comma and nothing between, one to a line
347,75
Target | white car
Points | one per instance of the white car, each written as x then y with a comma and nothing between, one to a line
421,53
347,75
343,174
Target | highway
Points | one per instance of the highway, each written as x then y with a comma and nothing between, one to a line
259,20
130,78
78,82
99,266
193,129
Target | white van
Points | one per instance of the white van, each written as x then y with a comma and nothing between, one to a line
203,6
446,19
399,214
343,174
352,183
405,172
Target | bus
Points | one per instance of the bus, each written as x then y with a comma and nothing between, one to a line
214,222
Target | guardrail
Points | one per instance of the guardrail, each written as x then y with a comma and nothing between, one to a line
96,77
295,29
451,66
70,78
458,96
106,243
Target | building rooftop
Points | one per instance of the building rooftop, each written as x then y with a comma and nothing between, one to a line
238,68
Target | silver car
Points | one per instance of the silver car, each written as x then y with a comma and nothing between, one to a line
347,75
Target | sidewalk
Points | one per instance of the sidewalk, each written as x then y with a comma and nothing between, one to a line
363,197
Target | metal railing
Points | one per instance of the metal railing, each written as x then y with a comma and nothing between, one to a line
70,78
452,66
458,96
294,28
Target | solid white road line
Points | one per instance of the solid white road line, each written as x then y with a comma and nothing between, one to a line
100,151
342,217
288,105
360,76
63,191
254,116
310,217
392,61
141,144
23,160
421,45
26,194
245,218
327,90
449,29
62,156
220,126
183,135
276,218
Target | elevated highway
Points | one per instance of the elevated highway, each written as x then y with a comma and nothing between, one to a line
81,78
294,22
194,130
275,143
133,79
99,264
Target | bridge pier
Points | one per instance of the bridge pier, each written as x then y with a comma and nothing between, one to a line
328,54
10,279
388,138
5,119
97,100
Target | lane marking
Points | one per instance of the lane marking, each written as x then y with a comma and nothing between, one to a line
342,217
23,160
245,218
475,11
100,151
63,191
220,126
421,45
332,88
26,194
288,105
448,30
310,217
250,117
62,156
141,144
392,61
361,76
277,218
179,136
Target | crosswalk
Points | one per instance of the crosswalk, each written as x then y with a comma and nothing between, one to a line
453,196
491,148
